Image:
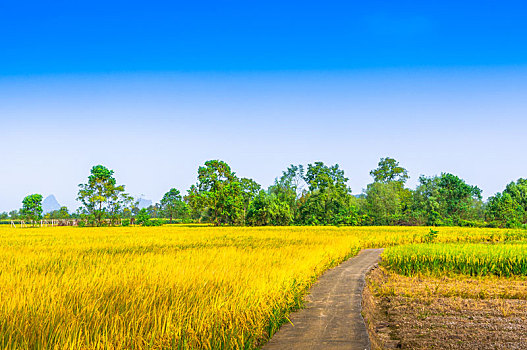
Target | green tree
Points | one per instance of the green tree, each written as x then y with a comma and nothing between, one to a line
62,213
388,186
320,177
173,205
101,198
329,200
196,204
384,203
219,192
289,188
32,207
389,170
509,208
156,210
250,189
446,200
458,197
142,218
267,209
426,202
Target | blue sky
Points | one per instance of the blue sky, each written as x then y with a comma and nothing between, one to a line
152,90
128,36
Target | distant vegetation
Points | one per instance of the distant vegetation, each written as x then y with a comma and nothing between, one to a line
314,195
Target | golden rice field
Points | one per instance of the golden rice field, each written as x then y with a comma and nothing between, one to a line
473,259
174,287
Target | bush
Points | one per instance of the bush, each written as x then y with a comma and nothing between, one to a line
143,218
430,236
471,223
156,222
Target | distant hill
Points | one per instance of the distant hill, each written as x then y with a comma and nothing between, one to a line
144,203
50,204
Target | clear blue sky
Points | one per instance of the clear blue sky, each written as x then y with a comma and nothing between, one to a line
154,89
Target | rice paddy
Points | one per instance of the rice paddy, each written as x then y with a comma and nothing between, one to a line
178,287
481,259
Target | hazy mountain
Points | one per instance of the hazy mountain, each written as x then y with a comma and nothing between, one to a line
50,204
144,203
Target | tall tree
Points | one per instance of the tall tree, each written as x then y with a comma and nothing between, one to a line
218,191
509,208
156,210
250,189
458,197
32,207
289,188
384,203
173,205
389,170
446,200
267,209
387,198
101,198
329,200
196,203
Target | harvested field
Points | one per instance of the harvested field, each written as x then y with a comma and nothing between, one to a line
445,313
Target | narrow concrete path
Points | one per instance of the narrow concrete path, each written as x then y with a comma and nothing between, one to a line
332,318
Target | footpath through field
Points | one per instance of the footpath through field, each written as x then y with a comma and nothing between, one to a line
332,318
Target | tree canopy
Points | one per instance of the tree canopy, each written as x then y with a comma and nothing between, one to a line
389,170
32,207
101,198
328,201
173,205
314,194
509,208
218,192
446,200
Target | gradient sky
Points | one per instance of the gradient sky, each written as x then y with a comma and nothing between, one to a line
152,90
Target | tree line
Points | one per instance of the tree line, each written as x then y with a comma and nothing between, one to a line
316,194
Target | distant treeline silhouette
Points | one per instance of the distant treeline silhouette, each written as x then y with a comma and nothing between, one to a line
314,195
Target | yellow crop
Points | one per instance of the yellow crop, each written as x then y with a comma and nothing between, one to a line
172,287
473,259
